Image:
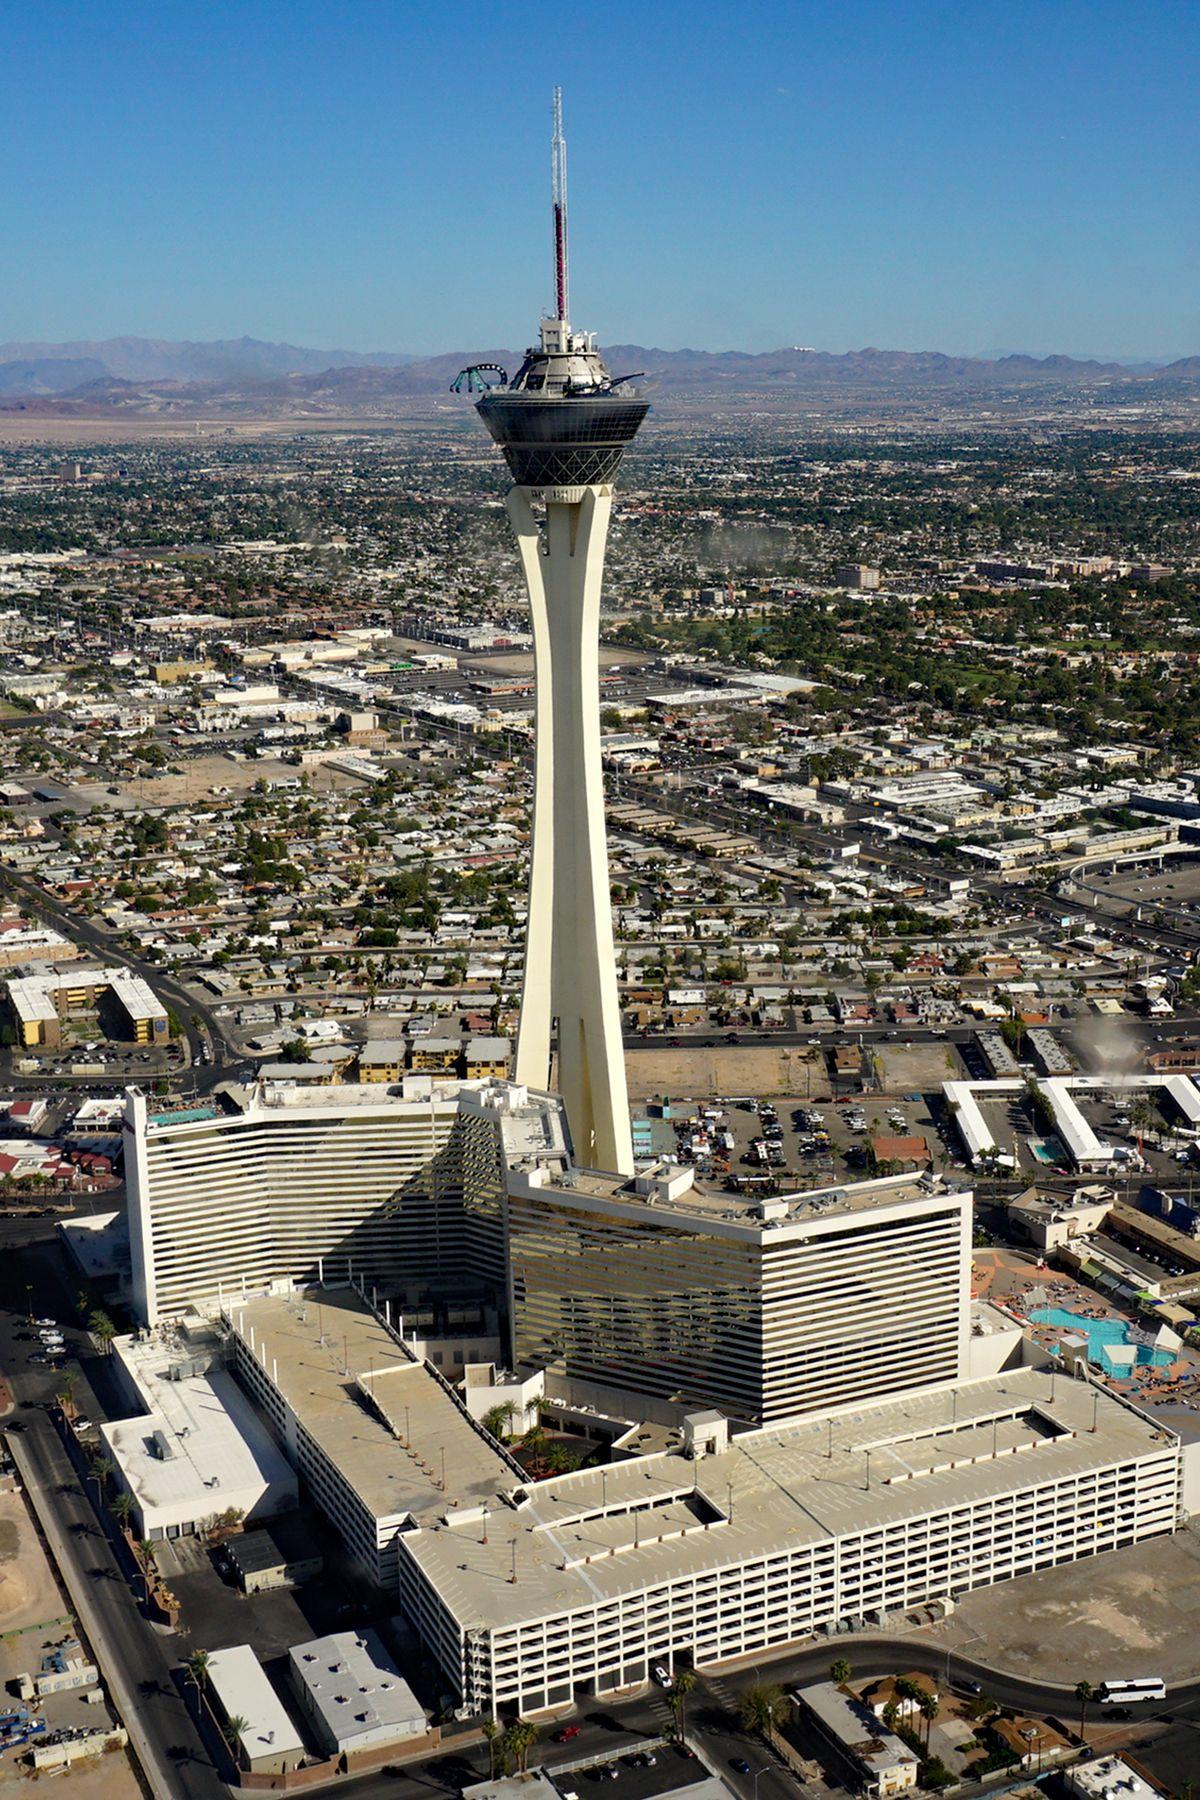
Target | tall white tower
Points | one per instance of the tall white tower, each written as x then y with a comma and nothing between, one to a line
563,424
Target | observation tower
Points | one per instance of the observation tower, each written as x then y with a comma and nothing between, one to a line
563,424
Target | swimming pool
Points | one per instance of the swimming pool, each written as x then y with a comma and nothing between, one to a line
1100,1334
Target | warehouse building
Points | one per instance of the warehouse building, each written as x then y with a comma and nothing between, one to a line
353,1695
267,1741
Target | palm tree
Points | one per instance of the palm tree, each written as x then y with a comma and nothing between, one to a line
102,1329
491,1732
891,1715
840,1670
64,1393
516,1744
232,1731
528,1738
122,1506
101,1468
1084,1691
682,1686
197,1668
927,1706
758,1704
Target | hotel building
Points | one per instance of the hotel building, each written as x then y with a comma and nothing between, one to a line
278,1184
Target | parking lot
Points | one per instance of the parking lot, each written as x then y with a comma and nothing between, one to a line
796,1140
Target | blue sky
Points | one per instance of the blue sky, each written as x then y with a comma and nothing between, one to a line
979,176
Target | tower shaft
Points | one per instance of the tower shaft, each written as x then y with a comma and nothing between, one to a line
570,967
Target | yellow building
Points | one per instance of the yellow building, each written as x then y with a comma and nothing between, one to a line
382,1060
487,1059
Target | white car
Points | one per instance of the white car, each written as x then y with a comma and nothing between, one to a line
660,1675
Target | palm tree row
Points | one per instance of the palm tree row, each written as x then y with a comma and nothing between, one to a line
509,1747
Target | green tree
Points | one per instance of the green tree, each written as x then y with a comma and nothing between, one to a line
681,1687
101,1467
927,1706
758,1705
197,1669
498,1421
232,1731
492,1734
840,1670
1084,1691
122,1506
102,1329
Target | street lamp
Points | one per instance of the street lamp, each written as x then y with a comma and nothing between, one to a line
765,1770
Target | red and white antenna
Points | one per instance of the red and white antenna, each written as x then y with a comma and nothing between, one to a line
558,168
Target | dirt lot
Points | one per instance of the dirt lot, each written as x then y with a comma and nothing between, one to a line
29,1594
919,1068
32,1618
724,1070
1134,1611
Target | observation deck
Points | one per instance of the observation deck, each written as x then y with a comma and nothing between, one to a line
563,423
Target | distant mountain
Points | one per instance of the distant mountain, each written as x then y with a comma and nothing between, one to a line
48,374
245,377
225,359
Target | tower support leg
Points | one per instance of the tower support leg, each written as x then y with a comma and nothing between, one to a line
570,965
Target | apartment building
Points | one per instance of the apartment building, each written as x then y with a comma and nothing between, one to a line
39,1003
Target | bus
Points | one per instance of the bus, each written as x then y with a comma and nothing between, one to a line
1122,1693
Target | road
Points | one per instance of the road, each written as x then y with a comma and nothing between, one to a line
205,1031
131,1654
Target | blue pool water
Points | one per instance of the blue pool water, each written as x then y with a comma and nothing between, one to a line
1100,1334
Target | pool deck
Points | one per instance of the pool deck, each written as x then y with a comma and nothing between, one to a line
1011,1277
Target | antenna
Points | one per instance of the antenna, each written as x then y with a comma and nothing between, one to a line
558,169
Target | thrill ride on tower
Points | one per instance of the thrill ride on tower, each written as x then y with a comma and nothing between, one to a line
563,424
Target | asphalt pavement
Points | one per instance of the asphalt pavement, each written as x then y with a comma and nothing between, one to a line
131,1654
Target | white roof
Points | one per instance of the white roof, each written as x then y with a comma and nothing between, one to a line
219,1453
354,1686
1109,1775
240,1684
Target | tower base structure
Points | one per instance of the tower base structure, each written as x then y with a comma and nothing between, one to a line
570,966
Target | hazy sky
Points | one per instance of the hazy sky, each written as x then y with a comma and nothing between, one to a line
973,175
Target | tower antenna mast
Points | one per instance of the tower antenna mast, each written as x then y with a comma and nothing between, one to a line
558,168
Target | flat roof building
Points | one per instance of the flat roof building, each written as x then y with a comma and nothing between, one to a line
267,1741
527,1591
353,1694
376,1436
824,1522
876,1760
199,1448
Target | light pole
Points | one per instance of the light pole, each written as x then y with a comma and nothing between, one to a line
765,1770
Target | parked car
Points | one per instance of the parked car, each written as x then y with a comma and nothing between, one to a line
566,1734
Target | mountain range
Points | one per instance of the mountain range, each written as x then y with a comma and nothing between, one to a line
155,376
